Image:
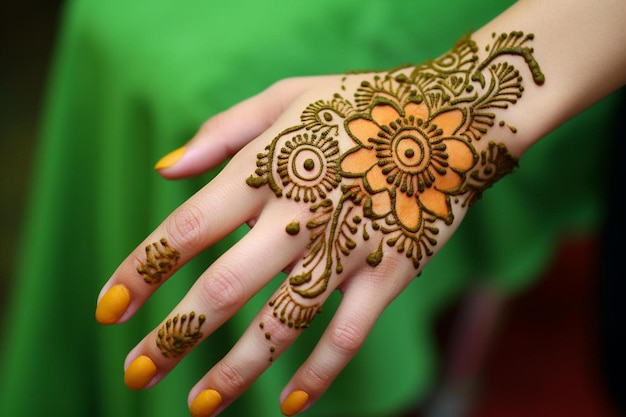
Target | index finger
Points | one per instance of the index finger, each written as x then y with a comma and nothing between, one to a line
211,214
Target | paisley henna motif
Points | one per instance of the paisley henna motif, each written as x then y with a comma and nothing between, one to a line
413,155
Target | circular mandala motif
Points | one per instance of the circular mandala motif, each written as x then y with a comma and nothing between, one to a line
412,151
307,166
408,151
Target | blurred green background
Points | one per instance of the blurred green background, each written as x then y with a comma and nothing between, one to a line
27,33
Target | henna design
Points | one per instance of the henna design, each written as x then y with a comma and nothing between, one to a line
495,163
268,336
293,228
413,155
161,258
174,338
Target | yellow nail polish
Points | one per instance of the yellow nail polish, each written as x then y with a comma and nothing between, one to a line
170,159
113,304
205,403
294,403
140,372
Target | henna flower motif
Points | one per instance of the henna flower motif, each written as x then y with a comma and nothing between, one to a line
409,160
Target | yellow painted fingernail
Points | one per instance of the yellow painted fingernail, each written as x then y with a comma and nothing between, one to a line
294,403
170,159
113,304
205,403
140,372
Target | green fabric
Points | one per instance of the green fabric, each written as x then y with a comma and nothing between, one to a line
134,80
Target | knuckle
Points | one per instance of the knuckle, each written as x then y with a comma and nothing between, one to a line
280,334
318,376
221,290
393,277
232,378
281,94
346,337
280,85
185,227
214,123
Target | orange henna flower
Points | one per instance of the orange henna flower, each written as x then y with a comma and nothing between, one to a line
409,160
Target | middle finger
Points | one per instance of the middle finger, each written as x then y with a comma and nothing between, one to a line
218,294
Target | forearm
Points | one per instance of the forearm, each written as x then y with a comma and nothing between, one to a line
580,47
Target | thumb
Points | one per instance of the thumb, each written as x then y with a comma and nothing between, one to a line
224,134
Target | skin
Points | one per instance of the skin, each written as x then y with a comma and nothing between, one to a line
357,235
414,134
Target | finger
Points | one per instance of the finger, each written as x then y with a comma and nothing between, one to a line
261,344
366,295
226,133
217,295
215,211
274,329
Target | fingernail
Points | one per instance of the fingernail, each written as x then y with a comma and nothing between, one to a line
170,159
205,403
294,403
140,372
113,304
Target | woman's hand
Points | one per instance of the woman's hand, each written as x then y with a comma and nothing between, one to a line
348,182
